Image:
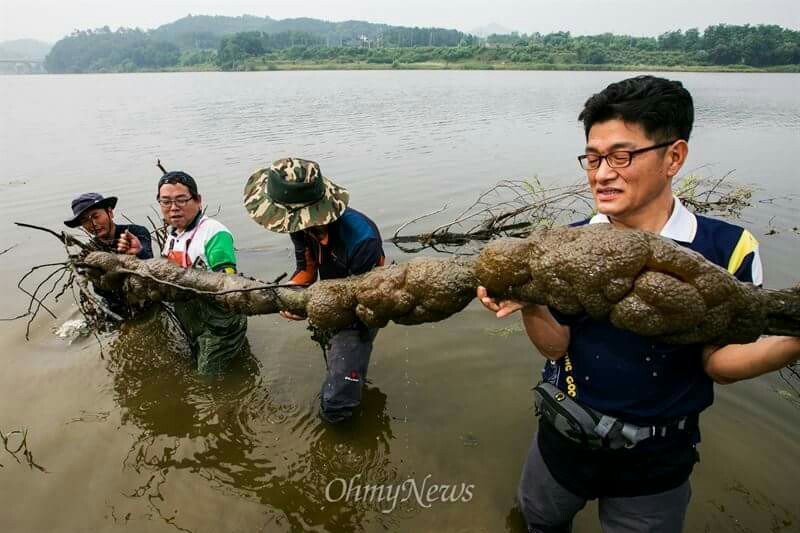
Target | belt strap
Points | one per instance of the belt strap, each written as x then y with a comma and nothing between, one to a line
620,434
595,429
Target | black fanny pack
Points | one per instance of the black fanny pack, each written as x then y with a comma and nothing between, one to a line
592,429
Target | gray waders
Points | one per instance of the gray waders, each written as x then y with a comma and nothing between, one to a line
348,361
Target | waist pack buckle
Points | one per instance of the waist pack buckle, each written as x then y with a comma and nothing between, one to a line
591,428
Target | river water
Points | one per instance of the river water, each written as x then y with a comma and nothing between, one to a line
130,438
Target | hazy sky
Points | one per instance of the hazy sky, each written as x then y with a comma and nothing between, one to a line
49,20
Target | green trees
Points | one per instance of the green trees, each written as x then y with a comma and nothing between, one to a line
758,46
102,50
209,41
235,50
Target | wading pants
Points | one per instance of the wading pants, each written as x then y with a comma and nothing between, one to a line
348,360
216,335
549,508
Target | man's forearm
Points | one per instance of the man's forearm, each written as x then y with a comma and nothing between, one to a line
550,337
736,362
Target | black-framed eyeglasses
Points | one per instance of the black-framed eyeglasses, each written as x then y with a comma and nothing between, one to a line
616,159
180,201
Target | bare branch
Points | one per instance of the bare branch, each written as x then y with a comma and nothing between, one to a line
443,208
515,207
21,448
67,239
8,249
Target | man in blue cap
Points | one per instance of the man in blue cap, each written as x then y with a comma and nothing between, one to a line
95,214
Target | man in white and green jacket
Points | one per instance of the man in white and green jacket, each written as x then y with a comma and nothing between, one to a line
217,336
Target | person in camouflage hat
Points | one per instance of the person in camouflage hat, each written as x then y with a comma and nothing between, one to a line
292,195
331,240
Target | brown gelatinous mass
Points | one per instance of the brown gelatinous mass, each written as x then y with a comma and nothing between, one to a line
639,281
422,290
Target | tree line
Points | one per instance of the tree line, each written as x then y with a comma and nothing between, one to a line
130,50
103,50
721,44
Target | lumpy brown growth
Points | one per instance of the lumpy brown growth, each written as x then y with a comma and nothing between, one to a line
641,282
422,290
637,280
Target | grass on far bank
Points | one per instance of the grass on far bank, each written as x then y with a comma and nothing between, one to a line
472,65
260,65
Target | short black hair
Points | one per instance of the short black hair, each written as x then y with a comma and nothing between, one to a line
663,108
178,176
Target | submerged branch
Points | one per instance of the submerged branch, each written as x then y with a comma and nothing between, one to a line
8,249
21,448
515,208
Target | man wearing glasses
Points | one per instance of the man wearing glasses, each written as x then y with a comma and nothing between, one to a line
637,134
198,241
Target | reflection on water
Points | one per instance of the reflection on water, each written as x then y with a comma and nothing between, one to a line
15,443
722,517
234,434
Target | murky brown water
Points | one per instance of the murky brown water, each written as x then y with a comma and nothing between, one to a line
135,440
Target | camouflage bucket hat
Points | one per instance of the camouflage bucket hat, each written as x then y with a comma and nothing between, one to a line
292,195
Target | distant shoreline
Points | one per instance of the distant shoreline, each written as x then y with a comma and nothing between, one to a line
319,66
248,43
576,67
252,66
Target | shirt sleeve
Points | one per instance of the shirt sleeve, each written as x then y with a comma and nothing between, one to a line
144,238
367,255
220,253
305,265
745,261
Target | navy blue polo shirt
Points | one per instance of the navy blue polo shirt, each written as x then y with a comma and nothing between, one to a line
638,379
141,233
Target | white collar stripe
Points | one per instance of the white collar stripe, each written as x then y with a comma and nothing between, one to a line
681,226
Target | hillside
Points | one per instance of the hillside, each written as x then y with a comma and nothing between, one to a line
263,43
206,32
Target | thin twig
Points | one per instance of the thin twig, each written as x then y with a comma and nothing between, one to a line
63,237
32,296
8,249
515,207
22,447
443,208
41,300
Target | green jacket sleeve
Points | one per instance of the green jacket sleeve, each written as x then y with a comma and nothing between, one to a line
220,253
